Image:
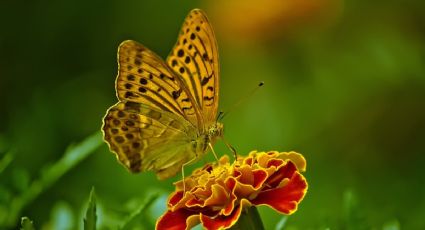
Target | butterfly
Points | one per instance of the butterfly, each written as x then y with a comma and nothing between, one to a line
166,116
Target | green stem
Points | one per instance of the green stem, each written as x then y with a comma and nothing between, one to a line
249,220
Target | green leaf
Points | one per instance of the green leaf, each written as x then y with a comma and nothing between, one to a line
72,156
282,222
353,216
138,213
90,218
26,224
20,179
5,161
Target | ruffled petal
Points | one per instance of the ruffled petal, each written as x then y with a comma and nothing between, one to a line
295,158
178,220
223,222
284,199
219,196
285,171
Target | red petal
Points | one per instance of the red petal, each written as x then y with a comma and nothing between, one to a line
259,177
221,221
174,220
231,186
285,171
175,198
248,161
284,199
274,162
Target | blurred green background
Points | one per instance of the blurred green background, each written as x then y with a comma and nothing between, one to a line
344,85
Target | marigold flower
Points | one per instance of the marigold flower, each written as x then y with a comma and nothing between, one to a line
217,193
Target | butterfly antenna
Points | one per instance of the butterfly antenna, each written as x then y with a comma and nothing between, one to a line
222,114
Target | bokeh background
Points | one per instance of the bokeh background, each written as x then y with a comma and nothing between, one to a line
344,85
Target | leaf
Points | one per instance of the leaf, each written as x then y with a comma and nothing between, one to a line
26,224
90,218
353,216
20,179
137,213
282,222
72,156
5,161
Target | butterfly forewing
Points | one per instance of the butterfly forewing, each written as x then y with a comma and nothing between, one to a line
145,138
144,77
195,59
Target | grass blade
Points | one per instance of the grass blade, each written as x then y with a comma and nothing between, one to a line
138,212
5,161
282,222
90,218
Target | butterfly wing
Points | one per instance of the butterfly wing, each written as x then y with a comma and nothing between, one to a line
145,78
152,126
146,138
164,107
195,58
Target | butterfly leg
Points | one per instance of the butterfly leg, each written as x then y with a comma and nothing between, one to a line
183,178
212,149
233,150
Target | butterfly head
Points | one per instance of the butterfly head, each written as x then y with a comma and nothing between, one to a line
215,131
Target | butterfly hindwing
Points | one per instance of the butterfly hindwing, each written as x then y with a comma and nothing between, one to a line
145,138
195,59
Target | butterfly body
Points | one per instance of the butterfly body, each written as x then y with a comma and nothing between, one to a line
167,110
200,145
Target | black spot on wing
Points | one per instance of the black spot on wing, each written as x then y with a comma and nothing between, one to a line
205,80
208,98
143,81
176,94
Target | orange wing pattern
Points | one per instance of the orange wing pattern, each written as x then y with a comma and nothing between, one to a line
195,59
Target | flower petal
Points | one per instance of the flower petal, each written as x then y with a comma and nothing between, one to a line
285,171
231,186
178,220
219,196
284,199
175,198
223,222
295,158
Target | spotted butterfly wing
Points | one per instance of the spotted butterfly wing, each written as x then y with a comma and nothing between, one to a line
145,138
195,58
143,77
160,119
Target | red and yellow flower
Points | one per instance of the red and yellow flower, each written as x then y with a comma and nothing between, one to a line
216,194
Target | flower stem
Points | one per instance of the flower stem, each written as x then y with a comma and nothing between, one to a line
249,220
